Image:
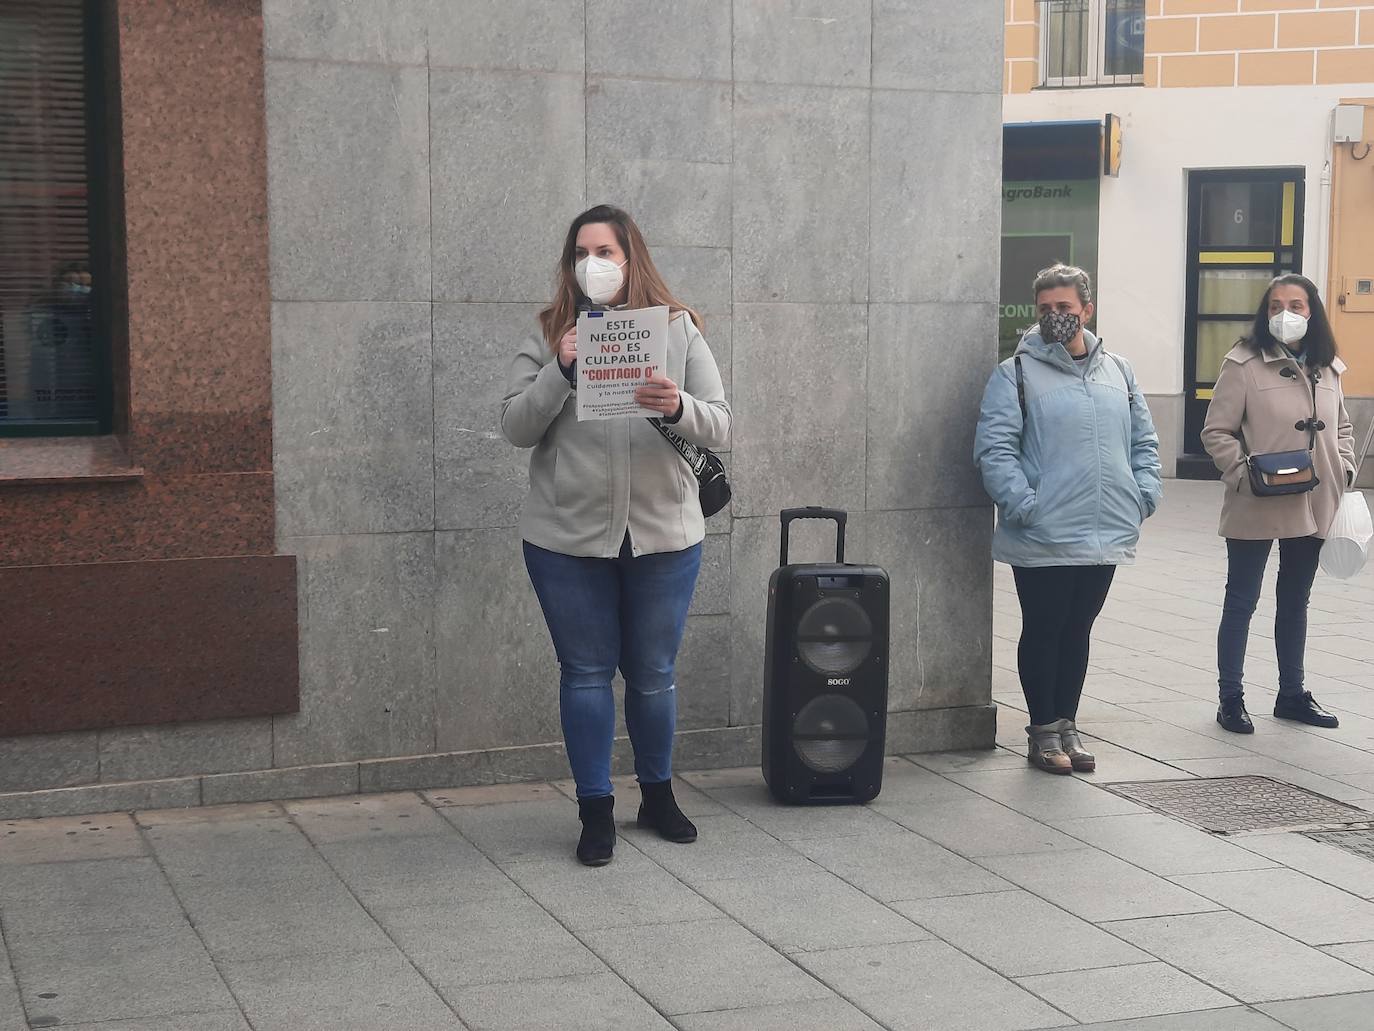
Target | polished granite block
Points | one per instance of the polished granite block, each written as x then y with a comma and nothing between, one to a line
118,644
145,520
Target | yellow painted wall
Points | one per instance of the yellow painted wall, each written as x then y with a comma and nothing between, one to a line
1226,43
1352,257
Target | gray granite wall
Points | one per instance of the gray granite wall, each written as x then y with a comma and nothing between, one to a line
818,177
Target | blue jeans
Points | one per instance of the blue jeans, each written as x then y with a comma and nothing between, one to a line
1245,572
605,613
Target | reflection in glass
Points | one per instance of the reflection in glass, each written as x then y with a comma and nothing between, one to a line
1214,339
1231,291
1239,214
1066,39
1124,38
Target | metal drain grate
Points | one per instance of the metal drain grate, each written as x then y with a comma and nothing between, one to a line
1230,805
1360,842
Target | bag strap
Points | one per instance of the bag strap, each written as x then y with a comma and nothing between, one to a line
691,454
1020,387
1121,367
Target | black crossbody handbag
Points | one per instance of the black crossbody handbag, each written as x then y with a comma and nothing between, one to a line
1281,473
713,489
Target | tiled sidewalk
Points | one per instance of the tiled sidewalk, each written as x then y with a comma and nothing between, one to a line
973,894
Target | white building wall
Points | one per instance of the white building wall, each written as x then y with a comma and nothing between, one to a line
1144,213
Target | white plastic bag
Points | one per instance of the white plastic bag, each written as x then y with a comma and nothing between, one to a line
1347,542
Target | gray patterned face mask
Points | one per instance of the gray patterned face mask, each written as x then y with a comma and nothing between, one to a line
1059,328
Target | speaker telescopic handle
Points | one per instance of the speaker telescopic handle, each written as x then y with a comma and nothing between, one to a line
838,515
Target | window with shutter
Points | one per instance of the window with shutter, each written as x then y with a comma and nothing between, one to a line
54,348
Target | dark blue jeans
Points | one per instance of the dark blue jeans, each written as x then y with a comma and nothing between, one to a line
1245,572
605,613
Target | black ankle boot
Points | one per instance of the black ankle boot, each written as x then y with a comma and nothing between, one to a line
1232,716
658,811
597,843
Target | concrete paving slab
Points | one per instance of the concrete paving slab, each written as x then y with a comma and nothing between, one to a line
704,966
1291,902
487,942
726,847
1318,859
906,987
11,1009
996,929
968,762
380,990
1096,886
617,895
1164,741
66,839
1046,798
116,975
833,1014
332,820
1235,1019
1118,993
281,920
1163,845
584,1002
221,1020
1116,764
85,896
401,872
900,866
1335,1013
523,833
981,828
1245,959
808,914
490,794
801,823
210,814
1357,954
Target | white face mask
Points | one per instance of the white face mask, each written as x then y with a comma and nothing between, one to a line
1288,327
599,278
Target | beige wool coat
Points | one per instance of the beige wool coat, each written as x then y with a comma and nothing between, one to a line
1255,408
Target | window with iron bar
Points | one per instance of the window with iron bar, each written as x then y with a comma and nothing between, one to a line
1091,43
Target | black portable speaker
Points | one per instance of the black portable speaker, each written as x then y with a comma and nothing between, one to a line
825,675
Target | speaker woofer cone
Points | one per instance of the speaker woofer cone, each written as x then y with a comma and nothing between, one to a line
834,636
830,733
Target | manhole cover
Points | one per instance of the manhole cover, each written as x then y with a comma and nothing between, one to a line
1229,805
1360,842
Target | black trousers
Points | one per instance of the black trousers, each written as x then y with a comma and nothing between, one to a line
1058,607
1298,557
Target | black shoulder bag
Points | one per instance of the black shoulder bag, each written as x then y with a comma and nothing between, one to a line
1281,473
713,489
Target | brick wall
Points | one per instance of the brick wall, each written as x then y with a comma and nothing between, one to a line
1227,43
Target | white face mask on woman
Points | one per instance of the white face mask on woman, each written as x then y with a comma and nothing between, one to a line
1288,327
599,278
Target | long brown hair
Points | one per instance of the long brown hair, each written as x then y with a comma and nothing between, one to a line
644,286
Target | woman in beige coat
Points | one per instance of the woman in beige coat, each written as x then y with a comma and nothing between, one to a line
1279,390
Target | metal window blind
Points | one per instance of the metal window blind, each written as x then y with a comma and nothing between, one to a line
48,366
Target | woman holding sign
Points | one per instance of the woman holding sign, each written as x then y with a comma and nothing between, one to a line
612,524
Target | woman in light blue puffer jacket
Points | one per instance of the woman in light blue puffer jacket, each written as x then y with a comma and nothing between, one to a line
1068,452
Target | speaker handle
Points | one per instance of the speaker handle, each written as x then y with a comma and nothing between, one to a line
839,515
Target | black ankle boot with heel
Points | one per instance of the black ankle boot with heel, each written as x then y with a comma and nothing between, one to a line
597,843
659,811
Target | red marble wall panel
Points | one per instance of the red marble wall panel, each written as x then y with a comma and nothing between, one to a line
101,629
127,643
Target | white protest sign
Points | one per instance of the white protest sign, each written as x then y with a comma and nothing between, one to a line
617,352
